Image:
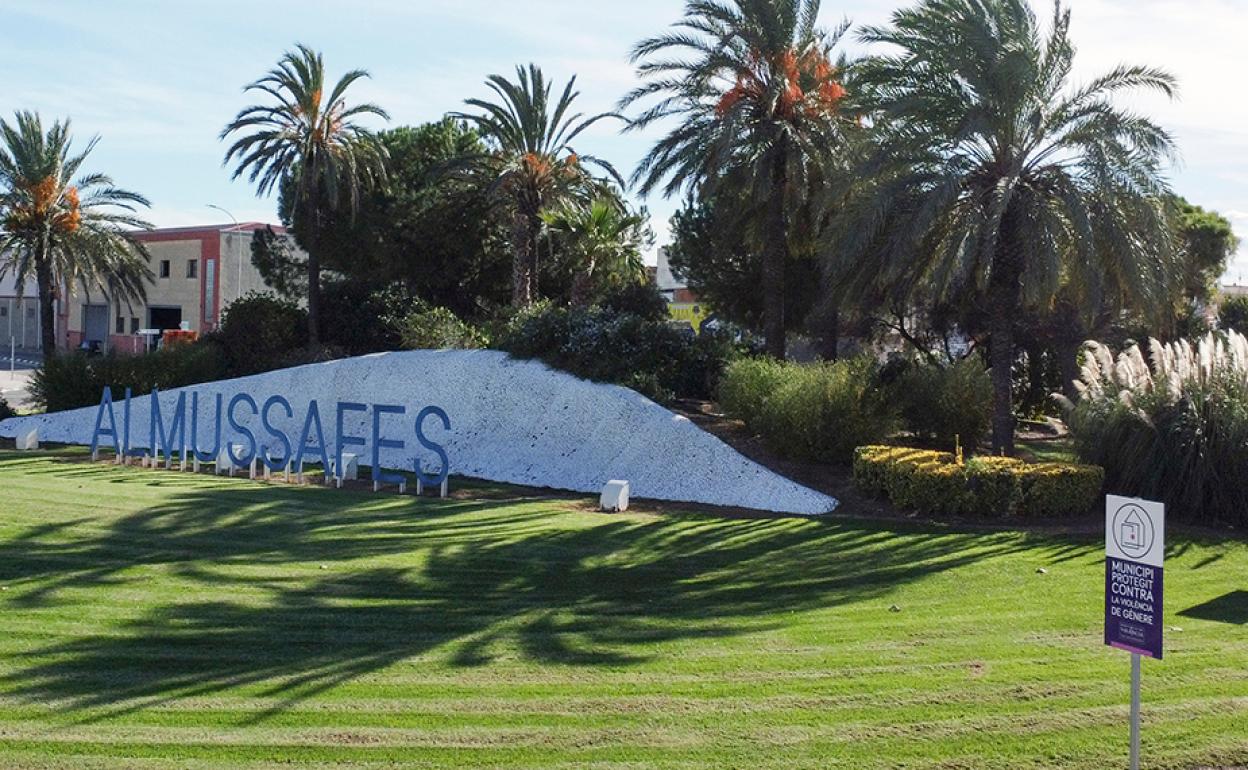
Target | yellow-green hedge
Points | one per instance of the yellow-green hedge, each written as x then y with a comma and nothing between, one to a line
933,482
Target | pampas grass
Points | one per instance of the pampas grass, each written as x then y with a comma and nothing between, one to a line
1172,426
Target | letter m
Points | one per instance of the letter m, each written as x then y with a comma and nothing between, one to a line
177,428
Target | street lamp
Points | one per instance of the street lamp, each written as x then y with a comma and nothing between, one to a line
240,258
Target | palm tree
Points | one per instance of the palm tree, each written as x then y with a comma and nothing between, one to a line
604,238
531,164
61,231
990,177
308,140
758,96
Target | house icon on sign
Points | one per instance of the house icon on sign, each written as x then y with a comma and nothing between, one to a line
1132,531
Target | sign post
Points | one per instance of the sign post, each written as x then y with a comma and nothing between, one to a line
1135,552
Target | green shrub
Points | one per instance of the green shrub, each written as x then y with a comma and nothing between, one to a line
938,403
935,483
809,411
436,328
358,318
69,380
747,385
1174,428
6,411
643,352
260,332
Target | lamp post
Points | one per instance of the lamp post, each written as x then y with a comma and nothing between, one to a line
240,258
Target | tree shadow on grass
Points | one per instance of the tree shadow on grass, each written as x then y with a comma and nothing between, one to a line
481,577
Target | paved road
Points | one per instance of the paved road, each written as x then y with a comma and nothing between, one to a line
15,378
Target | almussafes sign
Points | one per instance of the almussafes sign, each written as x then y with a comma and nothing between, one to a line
266,442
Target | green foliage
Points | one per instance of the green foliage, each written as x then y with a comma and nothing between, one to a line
6,410
1208,242
259,332
437,328
935,483
938,402
809,411
436,235
1233,314
360,318
711,253
281,268
602,239
530,165
69,380
1073,192
1178,433
61,226
773,134
606,345
310,140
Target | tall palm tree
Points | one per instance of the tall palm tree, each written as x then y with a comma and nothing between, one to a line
65,232
757,95
308,139
990,176
531,165
604,238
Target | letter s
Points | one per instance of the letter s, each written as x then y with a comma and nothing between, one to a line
433,446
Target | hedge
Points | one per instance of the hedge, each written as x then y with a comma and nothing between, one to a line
935,482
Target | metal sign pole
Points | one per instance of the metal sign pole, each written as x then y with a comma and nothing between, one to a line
1135,711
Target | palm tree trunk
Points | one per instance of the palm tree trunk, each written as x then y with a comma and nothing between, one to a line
307,228
1069,337
314,293
522,258
47,310
775,255
1005,295
582,286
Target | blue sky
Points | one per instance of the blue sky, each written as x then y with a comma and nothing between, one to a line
158,80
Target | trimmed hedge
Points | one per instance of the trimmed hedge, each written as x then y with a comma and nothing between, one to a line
934,482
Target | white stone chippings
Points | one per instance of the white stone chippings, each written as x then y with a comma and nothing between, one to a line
512,421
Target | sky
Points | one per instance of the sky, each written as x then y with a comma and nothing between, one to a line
156,81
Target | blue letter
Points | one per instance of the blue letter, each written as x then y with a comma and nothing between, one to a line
313,418
245,459
343,440
437,448
125,443
106,407
380,443
205,457
177,426
264,419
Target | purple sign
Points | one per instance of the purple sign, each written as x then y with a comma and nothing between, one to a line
1134,557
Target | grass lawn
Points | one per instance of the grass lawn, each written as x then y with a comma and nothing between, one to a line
159,619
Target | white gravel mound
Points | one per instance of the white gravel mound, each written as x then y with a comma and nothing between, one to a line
512,421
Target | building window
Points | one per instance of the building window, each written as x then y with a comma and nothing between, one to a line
164,268
192,268
121,324
134,325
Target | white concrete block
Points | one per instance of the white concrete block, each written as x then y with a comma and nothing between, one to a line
28,440
350,470
614,496
225,463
